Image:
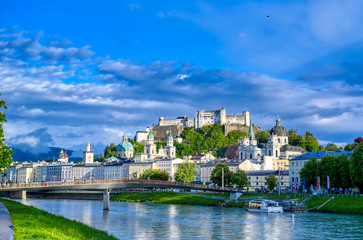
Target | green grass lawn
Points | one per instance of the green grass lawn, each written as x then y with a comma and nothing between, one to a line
251,195
32,223
165,197
341,204
217,195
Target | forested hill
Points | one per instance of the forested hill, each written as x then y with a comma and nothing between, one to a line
212,138
206,139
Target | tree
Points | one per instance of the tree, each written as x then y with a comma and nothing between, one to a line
331,147
293,137
311,143
98,158
343,171
138,148
216,176
240,178
261,137
357,167
327,167
110,151
271,182
5,152
186,172
155,174
234,137
310,171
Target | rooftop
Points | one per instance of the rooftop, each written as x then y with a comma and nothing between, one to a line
320,154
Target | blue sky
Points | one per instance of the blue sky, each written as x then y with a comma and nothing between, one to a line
73,69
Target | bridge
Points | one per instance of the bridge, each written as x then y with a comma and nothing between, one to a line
18,190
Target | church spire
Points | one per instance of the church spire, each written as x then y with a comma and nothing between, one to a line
124,138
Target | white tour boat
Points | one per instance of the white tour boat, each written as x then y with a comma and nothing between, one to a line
264,205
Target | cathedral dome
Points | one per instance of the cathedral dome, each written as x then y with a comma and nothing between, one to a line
125,146
278,129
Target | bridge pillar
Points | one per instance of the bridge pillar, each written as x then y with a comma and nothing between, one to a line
234,196
106,200
18,194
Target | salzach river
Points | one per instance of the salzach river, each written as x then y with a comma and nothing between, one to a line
156,221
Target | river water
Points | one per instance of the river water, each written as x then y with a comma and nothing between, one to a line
159,221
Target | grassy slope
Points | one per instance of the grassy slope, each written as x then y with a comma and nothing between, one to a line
341,204
33,223
272,196
165,197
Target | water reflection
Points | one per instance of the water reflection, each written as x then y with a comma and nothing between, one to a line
153,221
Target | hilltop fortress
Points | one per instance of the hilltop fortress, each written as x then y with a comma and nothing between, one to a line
210,117
202,118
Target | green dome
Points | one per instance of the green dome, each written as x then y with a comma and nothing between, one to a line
150,136
125,146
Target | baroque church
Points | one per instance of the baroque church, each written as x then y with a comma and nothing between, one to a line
124,149
277,146
152,153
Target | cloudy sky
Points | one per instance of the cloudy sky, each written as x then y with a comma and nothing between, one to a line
73,69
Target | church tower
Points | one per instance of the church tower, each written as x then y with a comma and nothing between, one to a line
170,148
150,147
88,155
278,138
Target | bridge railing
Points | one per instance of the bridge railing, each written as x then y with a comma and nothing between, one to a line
83,182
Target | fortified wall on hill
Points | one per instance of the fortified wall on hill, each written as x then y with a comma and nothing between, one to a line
203,118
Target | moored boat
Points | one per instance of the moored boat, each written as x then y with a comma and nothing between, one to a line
263,205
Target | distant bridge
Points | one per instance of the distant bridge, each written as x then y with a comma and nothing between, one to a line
18,190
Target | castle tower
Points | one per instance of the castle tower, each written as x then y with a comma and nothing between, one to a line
246,117
150,147
88,155
223,116
170,149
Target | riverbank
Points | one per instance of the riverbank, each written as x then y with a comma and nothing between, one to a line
340,204
32,223
166,198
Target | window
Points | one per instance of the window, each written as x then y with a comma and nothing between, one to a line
276,153
256,178
251,156
256,183
278,140
293,177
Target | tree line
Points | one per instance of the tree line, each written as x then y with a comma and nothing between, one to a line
344,172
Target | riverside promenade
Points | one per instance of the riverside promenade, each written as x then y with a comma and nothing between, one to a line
6,226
